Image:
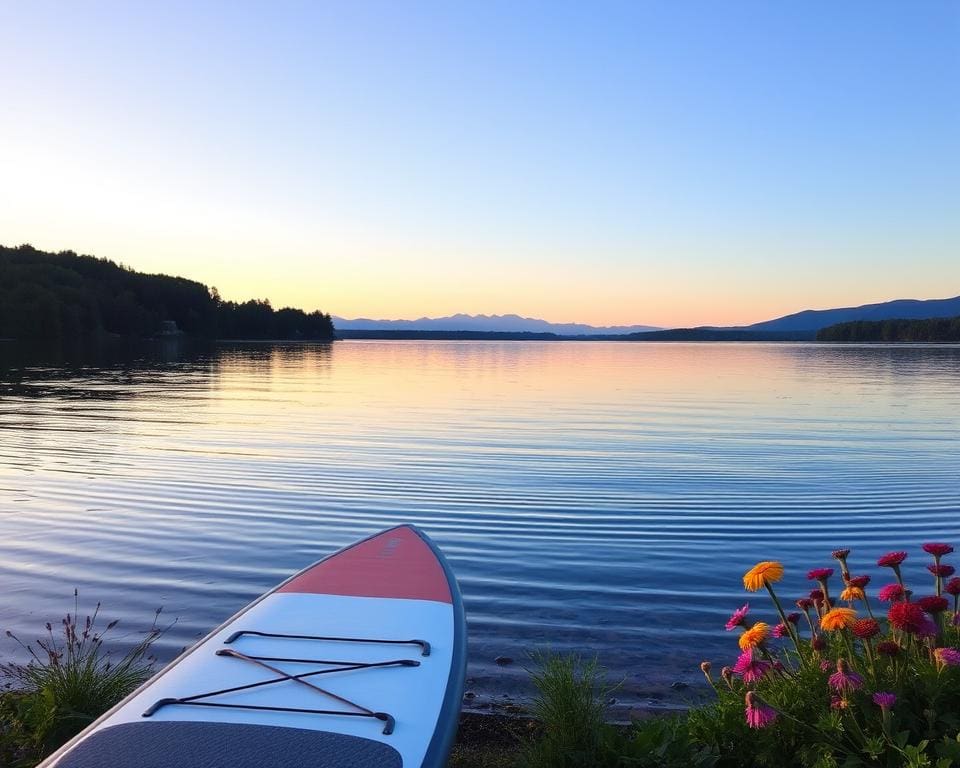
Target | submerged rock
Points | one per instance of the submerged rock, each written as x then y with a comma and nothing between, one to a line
503,660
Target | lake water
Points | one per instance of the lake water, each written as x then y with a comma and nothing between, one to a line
599,497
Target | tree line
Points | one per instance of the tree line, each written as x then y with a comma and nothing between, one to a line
62,297
935,329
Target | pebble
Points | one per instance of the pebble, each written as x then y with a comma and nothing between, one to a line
503,660
678,685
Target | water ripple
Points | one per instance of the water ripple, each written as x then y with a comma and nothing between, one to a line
594,497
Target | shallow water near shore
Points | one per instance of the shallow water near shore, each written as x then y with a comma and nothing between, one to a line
598,497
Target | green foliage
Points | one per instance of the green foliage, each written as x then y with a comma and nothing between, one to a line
574,732
935,329
69,681
664,741
570,705
57,298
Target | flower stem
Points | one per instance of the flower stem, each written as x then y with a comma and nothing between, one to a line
783,617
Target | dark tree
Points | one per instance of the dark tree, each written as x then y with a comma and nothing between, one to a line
63,297
934,329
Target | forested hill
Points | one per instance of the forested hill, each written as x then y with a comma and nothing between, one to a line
63,297
936,329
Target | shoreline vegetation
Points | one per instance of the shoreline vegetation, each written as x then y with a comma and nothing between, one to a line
53,299
848,680
940,329
64,299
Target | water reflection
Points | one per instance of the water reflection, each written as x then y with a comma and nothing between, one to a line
597,496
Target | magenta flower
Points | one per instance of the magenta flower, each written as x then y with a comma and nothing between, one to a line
750,668
907,617
858,581
840,554
780,630
820,574
927,629
845,680
825,665
739,617
943,571
759,714
890,593
952,587
884,700
937,549
933,604
805,603
892,559
793,618
949,657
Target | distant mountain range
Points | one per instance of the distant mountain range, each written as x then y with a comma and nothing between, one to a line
800,325
488,324
900,309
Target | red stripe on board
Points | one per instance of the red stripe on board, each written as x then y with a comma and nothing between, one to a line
396,564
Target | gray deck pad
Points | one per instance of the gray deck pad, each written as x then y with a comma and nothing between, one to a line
182,744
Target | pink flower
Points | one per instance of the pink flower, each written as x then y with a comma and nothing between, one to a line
937,549
890,593
820,574
780,630
825,665
949,657
759,714
892,559
840,554
844,680
858,581
738,618
805,603
749,668
884,700
793,618
944,571
952,587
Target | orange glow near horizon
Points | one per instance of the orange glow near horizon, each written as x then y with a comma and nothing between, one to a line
409,286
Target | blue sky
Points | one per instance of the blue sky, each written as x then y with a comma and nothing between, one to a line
665,163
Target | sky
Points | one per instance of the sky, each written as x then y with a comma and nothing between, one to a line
664,163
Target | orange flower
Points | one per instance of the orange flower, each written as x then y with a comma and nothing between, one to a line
762,575
838,618
754,636
852,593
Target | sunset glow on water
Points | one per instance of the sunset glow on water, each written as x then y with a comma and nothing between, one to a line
597,497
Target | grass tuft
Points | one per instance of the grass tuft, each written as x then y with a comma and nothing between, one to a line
69,681
571,707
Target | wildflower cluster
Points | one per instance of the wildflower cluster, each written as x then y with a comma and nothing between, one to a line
850,675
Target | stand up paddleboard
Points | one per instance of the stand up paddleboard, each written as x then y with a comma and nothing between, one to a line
355,662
